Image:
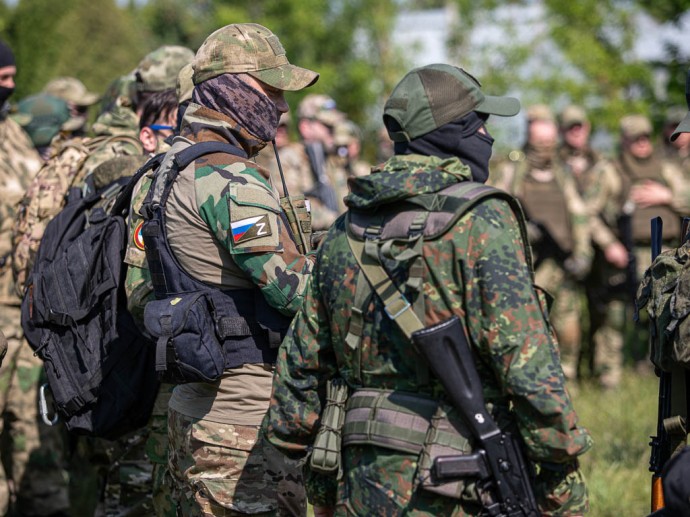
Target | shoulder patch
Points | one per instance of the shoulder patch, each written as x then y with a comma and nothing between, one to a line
137,237
251,228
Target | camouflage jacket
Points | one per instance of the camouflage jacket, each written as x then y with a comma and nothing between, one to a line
19,162
479,272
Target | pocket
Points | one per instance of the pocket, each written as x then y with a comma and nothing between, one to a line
187,344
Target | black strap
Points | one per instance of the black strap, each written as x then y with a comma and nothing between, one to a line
194,151
123,199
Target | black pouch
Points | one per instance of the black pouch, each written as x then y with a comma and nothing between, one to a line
187,345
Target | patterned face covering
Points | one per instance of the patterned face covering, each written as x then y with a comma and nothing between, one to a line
229,95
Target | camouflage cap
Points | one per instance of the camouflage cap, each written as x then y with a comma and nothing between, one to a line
346,132
634,126
158,70
72,90
683,127
252,49
316,106
675,115
434,95
539,112
47,116
572,115
185,85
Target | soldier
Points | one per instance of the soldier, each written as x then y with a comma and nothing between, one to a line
18,164
76,95
676,150
472,267
47,116
347,137
609,286
317,117
224,225
558,226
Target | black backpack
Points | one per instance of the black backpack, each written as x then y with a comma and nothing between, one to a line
99,365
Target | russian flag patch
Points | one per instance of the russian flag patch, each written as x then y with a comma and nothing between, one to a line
250,228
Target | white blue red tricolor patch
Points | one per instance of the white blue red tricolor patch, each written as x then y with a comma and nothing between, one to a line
250,228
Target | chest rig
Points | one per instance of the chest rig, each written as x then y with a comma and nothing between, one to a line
201,330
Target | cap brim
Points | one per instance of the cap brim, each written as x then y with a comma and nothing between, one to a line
683,127
88,99
501,106
286,77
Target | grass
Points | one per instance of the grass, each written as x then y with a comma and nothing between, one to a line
621,423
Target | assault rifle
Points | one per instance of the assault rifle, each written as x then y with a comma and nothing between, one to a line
499,462
323,190
664,443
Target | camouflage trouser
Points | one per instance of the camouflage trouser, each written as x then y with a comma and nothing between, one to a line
157,452
565,315
33,453
227,470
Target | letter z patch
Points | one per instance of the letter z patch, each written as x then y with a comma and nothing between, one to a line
250,228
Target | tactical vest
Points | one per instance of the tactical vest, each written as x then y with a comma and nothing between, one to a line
411,423
201,330
642,216
545,203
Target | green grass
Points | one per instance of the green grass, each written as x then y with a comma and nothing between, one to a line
621,423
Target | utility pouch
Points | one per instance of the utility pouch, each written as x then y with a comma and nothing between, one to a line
325,456
445,440
187,344
296,209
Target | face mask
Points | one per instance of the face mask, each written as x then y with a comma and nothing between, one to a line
5,94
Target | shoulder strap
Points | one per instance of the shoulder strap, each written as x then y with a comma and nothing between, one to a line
121,204
194,151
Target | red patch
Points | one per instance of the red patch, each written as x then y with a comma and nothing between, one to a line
138,238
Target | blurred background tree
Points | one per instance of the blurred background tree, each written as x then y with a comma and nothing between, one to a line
539,50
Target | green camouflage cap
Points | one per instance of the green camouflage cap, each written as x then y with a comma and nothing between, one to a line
158,70
316,106
683,127
434,95
572,115
185,84
48,115
252,49
72,90
634,126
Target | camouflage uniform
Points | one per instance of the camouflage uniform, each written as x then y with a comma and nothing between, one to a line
315,350
476,269
18,163
217,463
607,286
550,198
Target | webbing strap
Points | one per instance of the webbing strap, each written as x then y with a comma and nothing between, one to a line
194,151
395,304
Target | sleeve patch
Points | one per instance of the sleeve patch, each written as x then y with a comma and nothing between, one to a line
251,228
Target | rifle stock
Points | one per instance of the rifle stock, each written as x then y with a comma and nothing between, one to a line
445,348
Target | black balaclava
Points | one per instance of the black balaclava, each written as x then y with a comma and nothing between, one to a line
6,59
459,139
231,96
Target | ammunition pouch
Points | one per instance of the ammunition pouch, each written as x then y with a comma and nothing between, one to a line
299,218
415,424
325,456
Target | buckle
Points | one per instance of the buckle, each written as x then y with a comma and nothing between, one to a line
406,305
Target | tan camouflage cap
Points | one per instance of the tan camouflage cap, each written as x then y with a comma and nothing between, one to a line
185,85
72,90
346,132
252,49
683,127
675,115
634,126
540,112
158,70
316,106
572,115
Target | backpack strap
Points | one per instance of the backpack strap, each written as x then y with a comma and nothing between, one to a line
122,202
194,151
